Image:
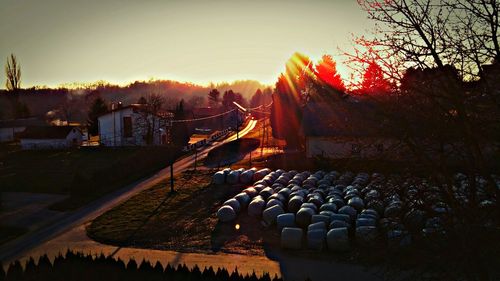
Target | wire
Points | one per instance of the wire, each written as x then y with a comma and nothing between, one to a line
203,118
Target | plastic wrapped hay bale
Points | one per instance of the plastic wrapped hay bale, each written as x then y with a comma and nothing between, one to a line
366,234
303,217
266,192
294,203
274,202
320,218
291,238
243,199
234,204
316,239
317,225
339,224
337,239
365,222
252,192
233,177
285,220
226,214
256,206
246,177
357,203
269,215
328,207
348,210
341,217
219,178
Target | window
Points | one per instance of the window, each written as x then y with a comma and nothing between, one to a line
355,149
127,126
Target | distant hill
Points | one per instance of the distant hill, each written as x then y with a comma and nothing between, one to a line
73,100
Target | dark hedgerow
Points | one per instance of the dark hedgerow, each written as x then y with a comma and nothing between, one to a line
80,267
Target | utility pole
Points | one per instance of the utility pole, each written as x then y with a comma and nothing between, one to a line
263,135
172,177
195,157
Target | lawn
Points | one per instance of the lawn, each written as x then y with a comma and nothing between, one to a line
85,174
182,221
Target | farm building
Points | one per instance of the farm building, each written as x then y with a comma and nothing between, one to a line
10,128
51,137
341,131
134,125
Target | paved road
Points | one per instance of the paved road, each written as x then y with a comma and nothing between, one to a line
16,248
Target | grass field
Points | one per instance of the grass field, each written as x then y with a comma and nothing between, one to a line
84,174
183,221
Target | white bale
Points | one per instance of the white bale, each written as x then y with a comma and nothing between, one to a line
328,207
320,218
273,202
269,215
317,225
266,192
316,239
252,192
357,203
337,239
348,210
291,238
219,178
294,203
234,204
226,214
339,224
233,177
366,222
366,234
246,177
341,217
243,199
285,220
303,217
226,171
256,206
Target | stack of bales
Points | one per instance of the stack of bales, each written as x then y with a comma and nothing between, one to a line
331,210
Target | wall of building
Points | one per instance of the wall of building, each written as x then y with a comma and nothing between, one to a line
111,129
8,134
353,147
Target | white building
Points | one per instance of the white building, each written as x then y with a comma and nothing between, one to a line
51,137
347,129
132,125
10,128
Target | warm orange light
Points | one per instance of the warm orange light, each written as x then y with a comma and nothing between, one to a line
237,226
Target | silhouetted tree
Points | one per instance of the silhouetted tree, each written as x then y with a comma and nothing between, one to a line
214,97
13,73
180,130
97,108
326,71
374,81
142,100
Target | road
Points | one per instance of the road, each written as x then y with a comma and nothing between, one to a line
16,248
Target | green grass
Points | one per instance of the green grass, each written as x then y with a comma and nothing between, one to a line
84,174
182,221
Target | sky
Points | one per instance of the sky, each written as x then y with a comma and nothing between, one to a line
120,41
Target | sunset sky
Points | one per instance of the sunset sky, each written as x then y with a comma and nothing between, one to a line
62,41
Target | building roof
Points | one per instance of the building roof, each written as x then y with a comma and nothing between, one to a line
136,107
47,132
24,122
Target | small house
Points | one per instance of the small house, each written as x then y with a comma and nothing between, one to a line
10,128
134,125
346,129
51,137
